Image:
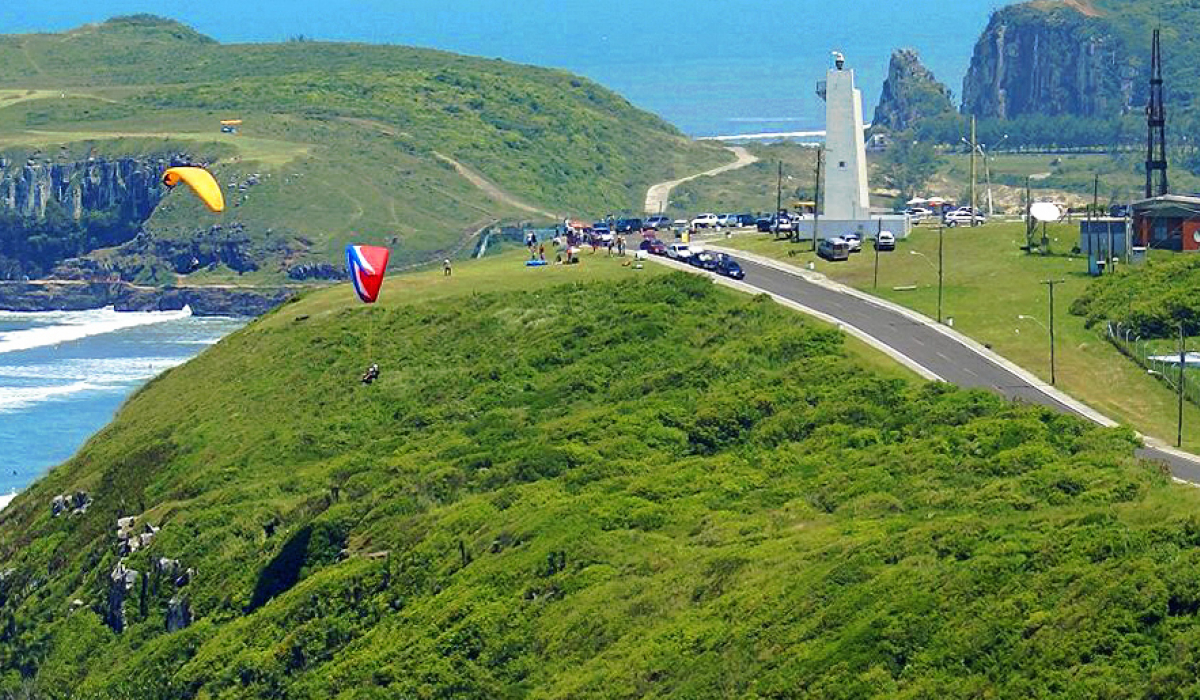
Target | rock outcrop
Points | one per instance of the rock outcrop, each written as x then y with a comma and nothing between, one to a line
1048,59
179,613
74,504
123,296
120,583
129,184
910,94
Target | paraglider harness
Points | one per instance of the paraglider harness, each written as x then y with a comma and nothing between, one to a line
371,374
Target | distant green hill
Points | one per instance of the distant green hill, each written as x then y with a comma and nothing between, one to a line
600,489
350,141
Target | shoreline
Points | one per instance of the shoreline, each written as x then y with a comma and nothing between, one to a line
82,295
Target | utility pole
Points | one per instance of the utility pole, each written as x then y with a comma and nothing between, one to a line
1093,241
778,199
1182,365
973,147
817,199
940,259
1051,284
877,232
1028,217
779,189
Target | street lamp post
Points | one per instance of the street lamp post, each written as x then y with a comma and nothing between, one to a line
981,148
940,269
973,148
817,198
877,232
1182,366
1050,284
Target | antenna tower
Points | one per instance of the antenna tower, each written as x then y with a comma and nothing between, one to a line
1156,127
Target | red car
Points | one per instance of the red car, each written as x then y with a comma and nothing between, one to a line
654,246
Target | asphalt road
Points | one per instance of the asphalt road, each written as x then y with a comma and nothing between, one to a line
952,361
658,196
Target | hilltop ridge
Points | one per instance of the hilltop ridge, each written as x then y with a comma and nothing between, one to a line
511,512
309,168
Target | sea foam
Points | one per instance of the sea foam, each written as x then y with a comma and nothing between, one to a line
67,326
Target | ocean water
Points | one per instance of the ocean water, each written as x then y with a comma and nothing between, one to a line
711,67
63,375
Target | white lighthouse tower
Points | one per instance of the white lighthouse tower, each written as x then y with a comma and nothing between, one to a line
845,185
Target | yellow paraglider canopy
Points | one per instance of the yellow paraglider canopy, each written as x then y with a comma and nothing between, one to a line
201,182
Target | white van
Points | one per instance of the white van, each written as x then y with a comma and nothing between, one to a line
833,249
679,251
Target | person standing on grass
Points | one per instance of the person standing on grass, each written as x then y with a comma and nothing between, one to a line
446,267
542,252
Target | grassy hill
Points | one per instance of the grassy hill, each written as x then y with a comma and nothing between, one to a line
350,141
594,482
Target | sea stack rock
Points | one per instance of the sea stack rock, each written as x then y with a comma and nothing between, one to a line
910,94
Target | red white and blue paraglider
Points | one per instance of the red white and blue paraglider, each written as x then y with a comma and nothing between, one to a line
366,265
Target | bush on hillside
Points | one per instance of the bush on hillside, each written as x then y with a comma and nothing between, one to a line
653,488
1152,299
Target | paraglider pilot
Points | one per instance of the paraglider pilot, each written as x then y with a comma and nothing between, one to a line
371,374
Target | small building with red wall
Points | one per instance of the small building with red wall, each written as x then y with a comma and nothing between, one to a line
1169,222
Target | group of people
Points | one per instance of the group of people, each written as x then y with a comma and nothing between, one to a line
616,242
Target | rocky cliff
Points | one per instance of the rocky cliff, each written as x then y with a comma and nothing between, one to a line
910,94
1048,58
69,295
128,184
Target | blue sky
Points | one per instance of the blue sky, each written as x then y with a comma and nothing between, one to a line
706,65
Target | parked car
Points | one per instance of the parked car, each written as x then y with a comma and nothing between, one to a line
885,241
727,220
706,260
745,220
783,223
730,268
1119,211
963,217
763,224
658,222
833,249
705,221
854,241
679,251
654,246
918,214
628,225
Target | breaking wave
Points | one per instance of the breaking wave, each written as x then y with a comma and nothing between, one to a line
57,327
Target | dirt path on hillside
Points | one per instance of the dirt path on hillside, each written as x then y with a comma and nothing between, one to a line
492,190
489,188
658,195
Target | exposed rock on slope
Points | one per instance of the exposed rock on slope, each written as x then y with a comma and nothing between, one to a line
910,93
1051,59
130,184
